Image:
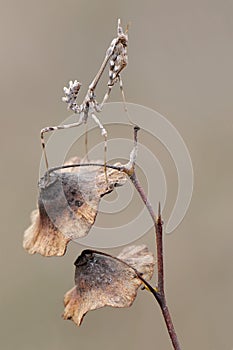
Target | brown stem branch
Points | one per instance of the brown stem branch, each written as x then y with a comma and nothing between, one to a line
159,244
143,196
170,326
158,224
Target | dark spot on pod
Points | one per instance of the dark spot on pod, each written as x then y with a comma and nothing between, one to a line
78,203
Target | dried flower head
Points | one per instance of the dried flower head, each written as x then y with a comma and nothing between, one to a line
103,280
67,207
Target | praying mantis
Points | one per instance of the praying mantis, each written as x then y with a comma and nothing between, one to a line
116,58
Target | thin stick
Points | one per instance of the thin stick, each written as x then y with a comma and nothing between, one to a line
170,326
143,196
159,244
158,224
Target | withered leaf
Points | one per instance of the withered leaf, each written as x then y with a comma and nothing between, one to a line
67,207
103,280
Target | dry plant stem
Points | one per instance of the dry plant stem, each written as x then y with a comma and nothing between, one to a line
159,243
158,224
160,294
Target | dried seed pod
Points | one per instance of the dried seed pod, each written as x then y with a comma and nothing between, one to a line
103,280
67,207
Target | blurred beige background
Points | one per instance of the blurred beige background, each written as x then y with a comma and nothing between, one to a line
180,64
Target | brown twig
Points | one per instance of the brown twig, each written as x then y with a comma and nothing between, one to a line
158,224
159,244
